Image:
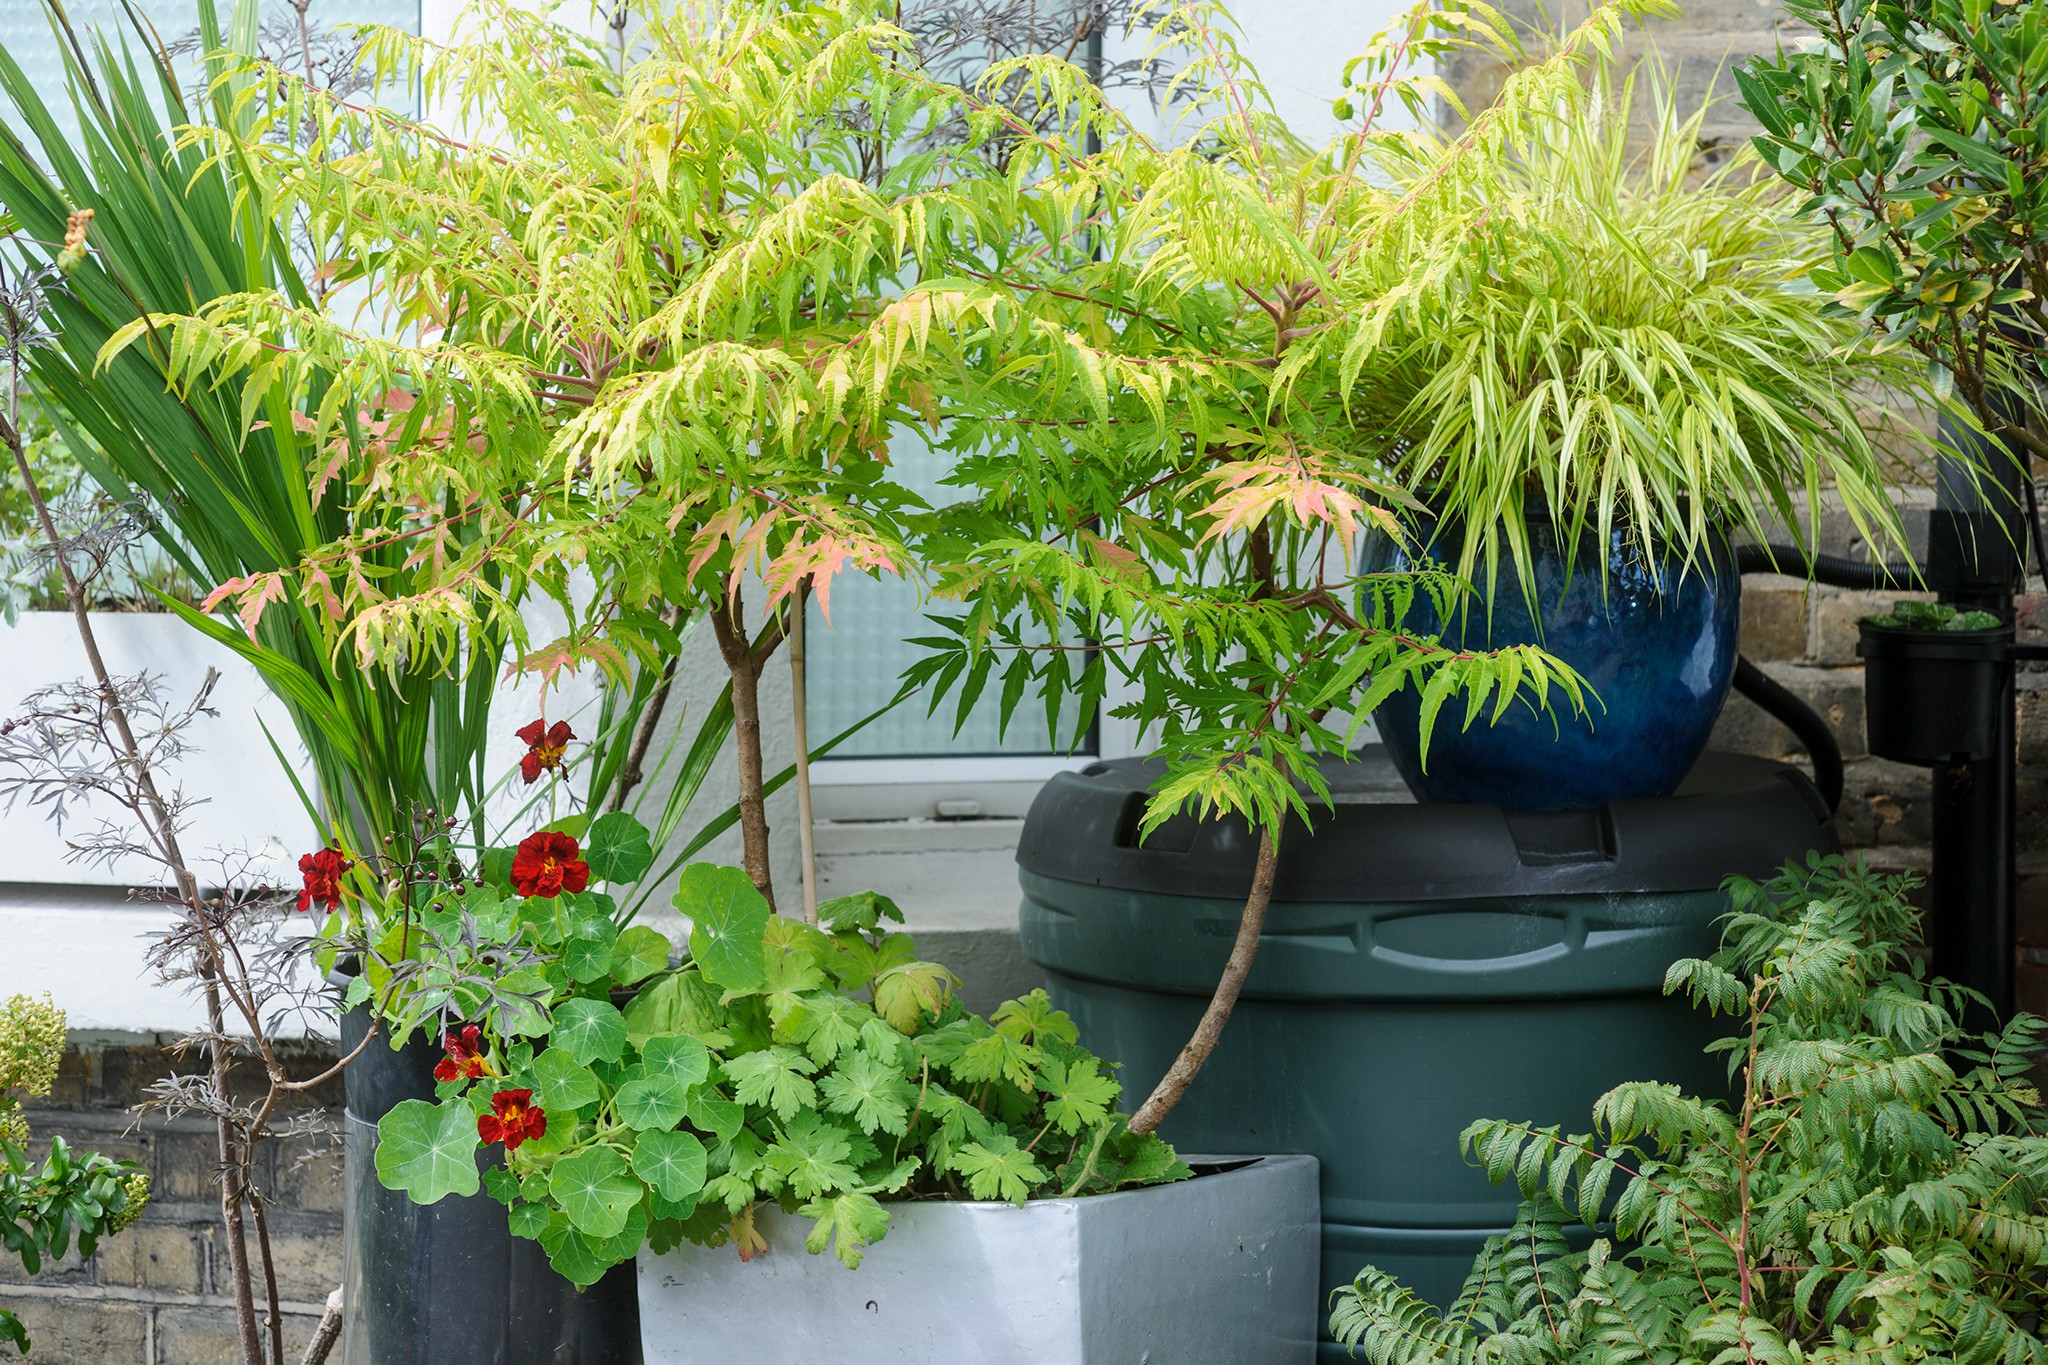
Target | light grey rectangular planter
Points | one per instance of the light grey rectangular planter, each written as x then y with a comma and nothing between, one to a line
1218,1270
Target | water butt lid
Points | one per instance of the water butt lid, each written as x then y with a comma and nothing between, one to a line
1733,814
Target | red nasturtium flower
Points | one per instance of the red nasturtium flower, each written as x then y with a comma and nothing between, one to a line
545,746
547,864
513,1119
465,1059
322,872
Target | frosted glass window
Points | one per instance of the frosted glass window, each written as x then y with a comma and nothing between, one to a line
26,33
854,665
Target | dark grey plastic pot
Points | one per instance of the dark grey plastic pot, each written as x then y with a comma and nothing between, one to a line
448,1283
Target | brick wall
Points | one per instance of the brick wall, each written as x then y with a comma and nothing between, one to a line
158,1294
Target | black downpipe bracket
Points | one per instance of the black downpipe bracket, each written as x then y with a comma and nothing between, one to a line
1976,560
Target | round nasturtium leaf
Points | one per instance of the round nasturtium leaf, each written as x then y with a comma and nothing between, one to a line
618,849
561,1084
673,1163
639,954
589,1031
728,919
596,1190
677,1056
652,1102
587,952
428,1151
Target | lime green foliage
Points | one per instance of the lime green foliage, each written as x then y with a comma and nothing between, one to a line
1920,134
1581,324
653,327
73,1197
825,1069
1194,394
1874,1191
1910,615
245,489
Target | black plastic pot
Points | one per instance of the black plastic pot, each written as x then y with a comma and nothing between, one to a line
1932,696
448,1283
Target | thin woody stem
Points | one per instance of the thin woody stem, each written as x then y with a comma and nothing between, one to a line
163,832
1209,1031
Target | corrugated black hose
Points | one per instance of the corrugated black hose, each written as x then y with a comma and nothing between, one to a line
1814,734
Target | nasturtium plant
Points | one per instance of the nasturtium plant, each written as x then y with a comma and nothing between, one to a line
821,1068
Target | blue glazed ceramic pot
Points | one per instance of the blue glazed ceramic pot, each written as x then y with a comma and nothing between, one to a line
1658,649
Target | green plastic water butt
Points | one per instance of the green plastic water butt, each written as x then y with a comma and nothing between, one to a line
1421,967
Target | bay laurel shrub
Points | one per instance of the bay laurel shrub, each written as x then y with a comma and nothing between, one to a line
1873,1191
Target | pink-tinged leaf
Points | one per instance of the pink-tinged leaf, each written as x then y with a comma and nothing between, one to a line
320,592
337,457
567,655
222,593
253,594
1121,560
